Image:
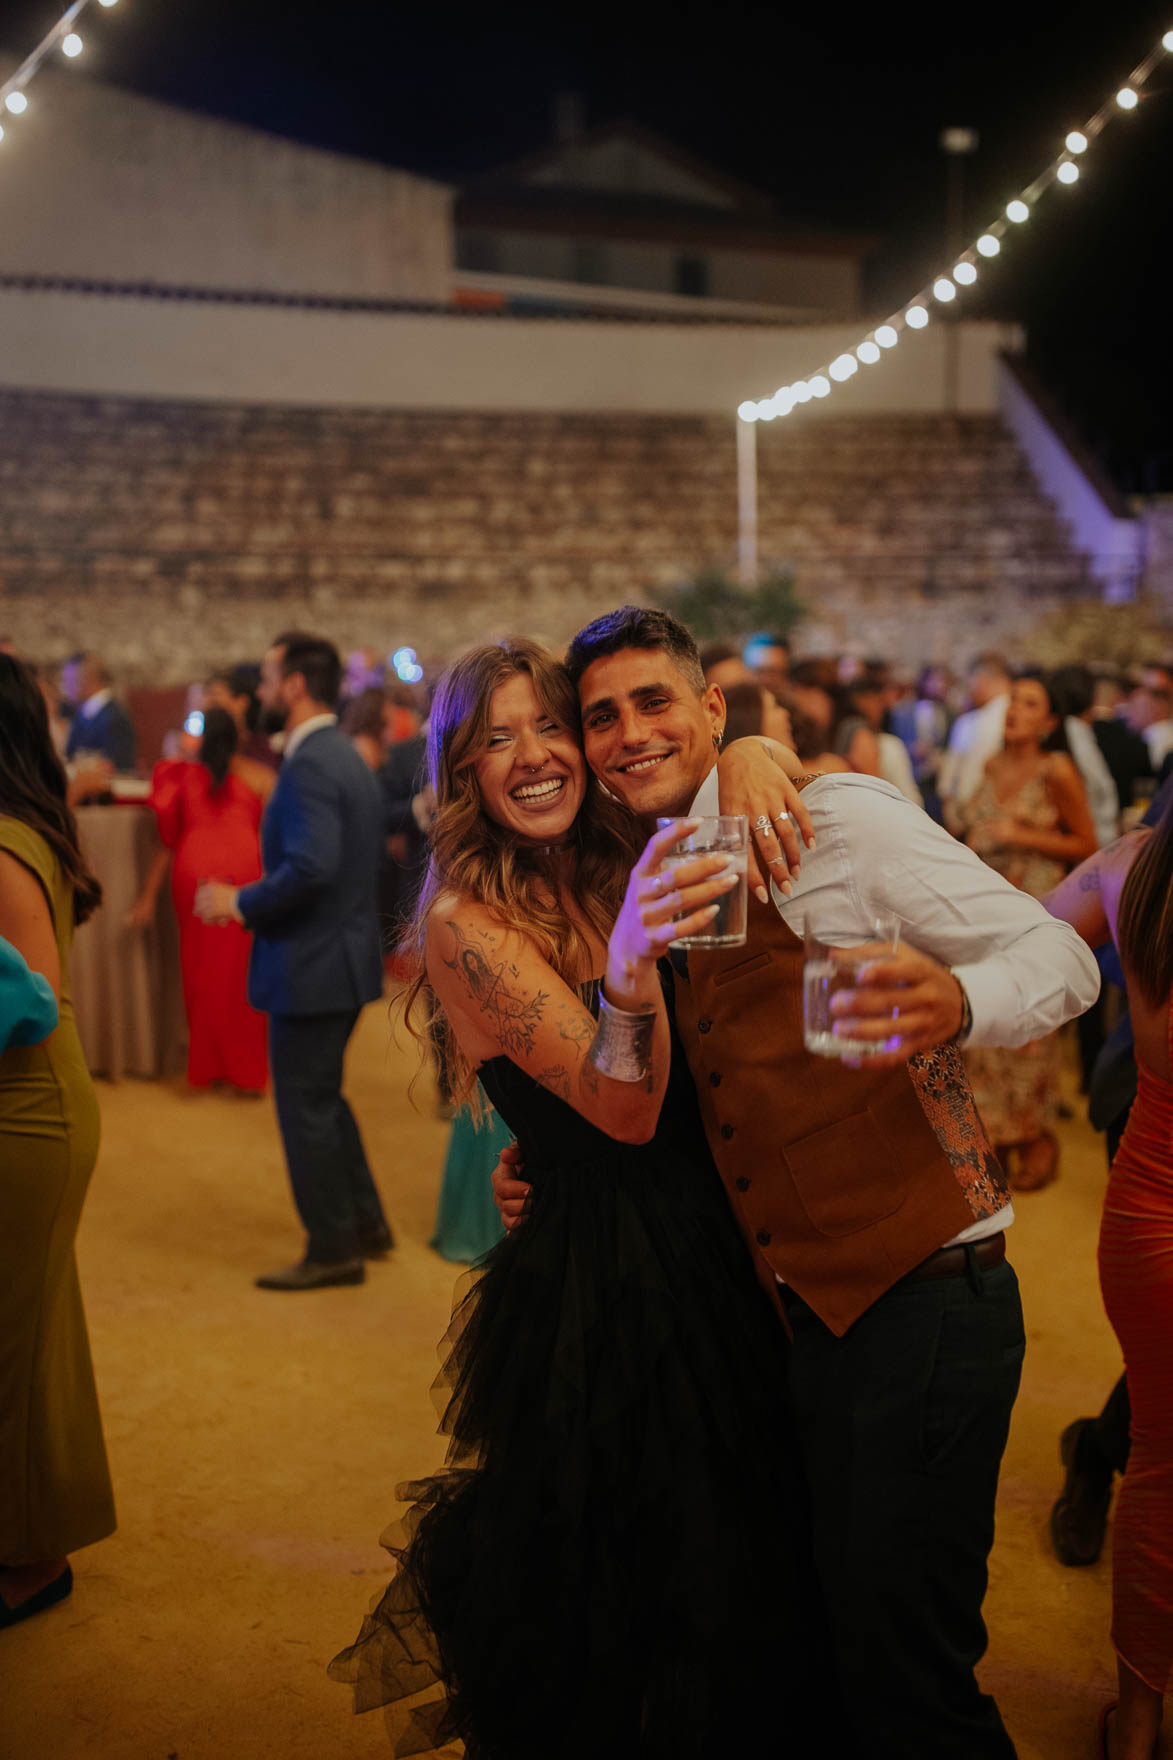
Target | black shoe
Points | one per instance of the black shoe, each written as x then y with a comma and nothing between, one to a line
315,1274
49,1596
376,1243
1080,1515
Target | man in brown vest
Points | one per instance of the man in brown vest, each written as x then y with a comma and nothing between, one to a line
873,1203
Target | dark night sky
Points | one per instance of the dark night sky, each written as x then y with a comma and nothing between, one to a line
836,115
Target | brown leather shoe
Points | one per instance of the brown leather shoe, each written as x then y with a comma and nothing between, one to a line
1080,1514
314,1274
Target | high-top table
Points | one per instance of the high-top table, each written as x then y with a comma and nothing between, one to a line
127,994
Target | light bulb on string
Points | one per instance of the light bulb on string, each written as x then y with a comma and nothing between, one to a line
748,411
107,2
965,274
917,317
1018,212
783,400
887,337
1067,172
1127,98
868,353
72,45
988,245
944,290
766,409
839,369
802,391
1,134
17,103
1167,41
1076,142
820,387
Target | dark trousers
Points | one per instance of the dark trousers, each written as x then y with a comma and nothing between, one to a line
332,1185
902,1424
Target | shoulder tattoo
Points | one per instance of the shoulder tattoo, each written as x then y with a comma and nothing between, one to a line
490,981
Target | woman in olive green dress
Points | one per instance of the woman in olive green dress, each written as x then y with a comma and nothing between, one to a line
55,1491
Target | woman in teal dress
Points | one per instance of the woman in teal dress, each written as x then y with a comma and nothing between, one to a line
468,1224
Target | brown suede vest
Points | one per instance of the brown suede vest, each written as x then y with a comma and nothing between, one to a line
842,1179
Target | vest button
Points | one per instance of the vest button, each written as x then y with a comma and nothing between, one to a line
763,1237
703,1026
715,1079
726,1131
742,1184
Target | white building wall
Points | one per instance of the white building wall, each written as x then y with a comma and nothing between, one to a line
248,353
827,284
98,183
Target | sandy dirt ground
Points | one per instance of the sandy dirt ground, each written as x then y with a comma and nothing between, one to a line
255,1441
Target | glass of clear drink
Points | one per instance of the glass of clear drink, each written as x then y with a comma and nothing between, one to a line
724,834
836,954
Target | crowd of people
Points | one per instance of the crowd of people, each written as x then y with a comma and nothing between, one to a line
579,1578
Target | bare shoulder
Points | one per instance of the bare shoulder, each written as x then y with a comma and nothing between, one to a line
1060,772
460,930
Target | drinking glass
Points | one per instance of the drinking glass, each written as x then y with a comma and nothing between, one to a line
827,969
724,834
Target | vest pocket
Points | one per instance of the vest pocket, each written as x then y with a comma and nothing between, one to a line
847,1176
742,969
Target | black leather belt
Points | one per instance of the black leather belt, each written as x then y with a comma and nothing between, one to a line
955,1261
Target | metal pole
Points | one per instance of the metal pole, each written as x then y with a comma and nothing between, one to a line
747,503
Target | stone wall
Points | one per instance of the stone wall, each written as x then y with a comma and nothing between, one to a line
177,536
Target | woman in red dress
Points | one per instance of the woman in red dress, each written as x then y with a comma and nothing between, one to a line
209,815
1125,893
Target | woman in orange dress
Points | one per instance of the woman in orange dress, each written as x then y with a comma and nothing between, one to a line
209,815
1125,893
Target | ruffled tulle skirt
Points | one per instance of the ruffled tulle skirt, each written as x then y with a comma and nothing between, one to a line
614,1562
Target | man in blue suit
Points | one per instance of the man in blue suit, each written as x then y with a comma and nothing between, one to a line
316,956
100,723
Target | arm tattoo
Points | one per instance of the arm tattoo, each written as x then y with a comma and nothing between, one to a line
557,1079
1090,882
513,1016
580,1030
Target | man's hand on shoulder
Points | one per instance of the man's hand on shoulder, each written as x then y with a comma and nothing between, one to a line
906,1001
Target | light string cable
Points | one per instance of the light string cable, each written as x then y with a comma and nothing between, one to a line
914,314
63,36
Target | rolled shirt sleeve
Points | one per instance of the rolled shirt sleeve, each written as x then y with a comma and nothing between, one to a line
878,855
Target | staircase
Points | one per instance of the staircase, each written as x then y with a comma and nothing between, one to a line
175,536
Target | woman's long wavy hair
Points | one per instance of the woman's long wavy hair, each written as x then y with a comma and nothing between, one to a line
32,781
474,856
1144,922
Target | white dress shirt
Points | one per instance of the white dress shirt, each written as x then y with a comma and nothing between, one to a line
303,732
973,738
877,855
94,703
1158,737
1102,798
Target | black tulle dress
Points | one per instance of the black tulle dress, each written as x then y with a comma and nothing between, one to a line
612,1565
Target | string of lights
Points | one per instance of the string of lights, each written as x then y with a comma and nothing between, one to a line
943,289
62,37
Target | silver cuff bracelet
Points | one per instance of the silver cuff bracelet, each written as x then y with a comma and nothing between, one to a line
622,1046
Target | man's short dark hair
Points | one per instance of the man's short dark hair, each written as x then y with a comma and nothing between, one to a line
1073,690
637,626
317,660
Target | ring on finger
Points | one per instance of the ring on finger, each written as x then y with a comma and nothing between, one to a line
781,818
762,825
774,859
